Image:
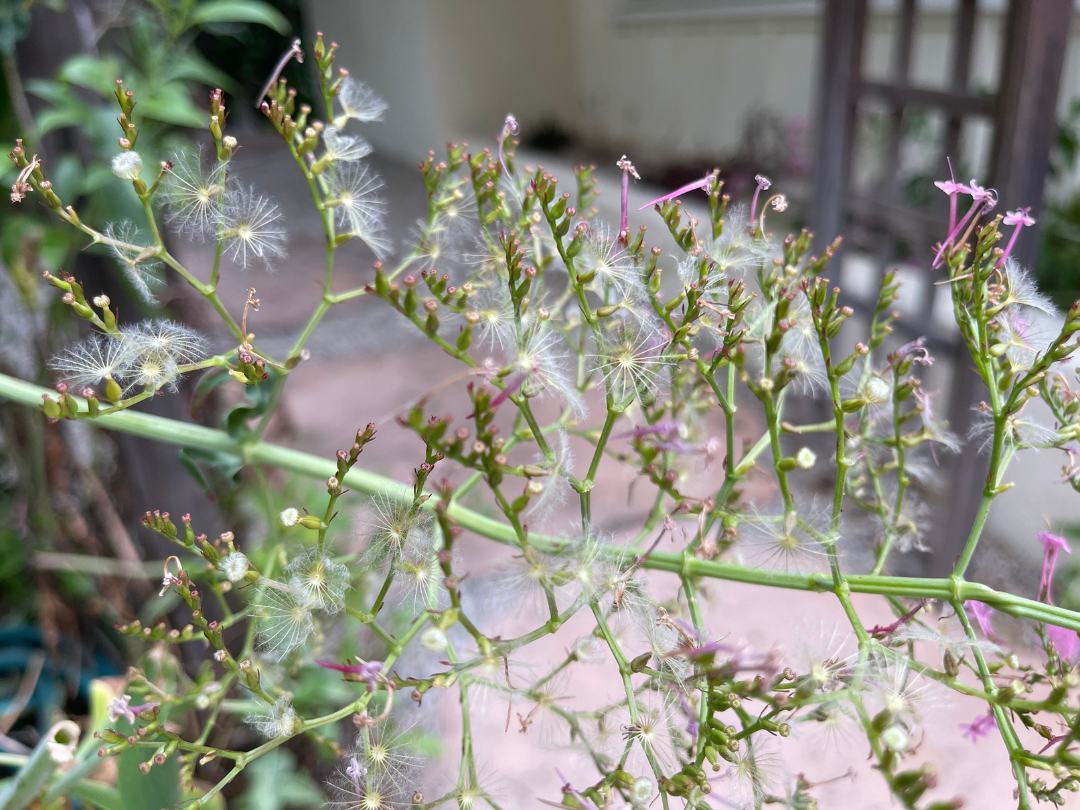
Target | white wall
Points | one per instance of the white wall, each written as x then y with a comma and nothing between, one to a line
444,74
452,69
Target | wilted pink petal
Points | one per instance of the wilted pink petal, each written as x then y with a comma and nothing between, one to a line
1053,545
982,613
1065,642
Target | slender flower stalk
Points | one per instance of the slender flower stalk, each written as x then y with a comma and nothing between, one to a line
761,183
628,171
704,182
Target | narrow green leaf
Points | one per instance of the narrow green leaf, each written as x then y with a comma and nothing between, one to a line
239,11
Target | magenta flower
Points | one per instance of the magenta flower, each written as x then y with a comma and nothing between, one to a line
121,707
916,352
1019,219
627,169
366,671
953,189
1065,642
693,727
982,613
671,195
509,390
763,184
1053,545
979,727
510,128
981,198
665,429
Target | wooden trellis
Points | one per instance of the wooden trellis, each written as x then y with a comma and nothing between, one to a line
1021,115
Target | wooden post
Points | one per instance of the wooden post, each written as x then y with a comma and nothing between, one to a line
840,68
1033,46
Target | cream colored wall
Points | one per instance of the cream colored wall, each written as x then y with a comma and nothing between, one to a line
454,68
686,86
443,75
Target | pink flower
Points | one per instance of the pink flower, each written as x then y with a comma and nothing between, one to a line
367,671
763,184
1053,545
510,128
665,429
980,198
979,727
953,189
915,351
982,614
1064,641
627,169
1019,219
671,195
121,707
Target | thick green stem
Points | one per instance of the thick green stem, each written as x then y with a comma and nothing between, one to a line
264,453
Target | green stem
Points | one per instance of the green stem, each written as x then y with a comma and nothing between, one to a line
264,453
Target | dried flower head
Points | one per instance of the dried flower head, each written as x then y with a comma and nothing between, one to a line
252,227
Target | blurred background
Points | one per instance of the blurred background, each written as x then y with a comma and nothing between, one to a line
850,107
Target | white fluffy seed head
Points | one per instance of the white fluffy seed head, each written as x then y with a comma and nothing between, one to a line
235,566
278,720
253,228
318,581
358,102
127,165
359,211
193,194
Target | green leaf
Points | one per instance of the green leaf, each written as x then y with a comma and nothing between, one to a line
171,104
98,794
275,783
152,791
49,90
192,67
58,118
212,379
239,11
97,73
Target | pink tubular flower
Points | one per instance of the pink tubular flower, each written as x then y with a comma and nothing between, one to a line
693,727
979,727
1019,219
915,351
981,198
510,128
763,184
121,707
628,170
665,429
953,189
1053,545
366,671
509,390
1065,642
671,195
982,613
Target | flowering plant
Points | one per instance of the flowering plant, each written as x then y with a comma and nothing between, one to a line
555,316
